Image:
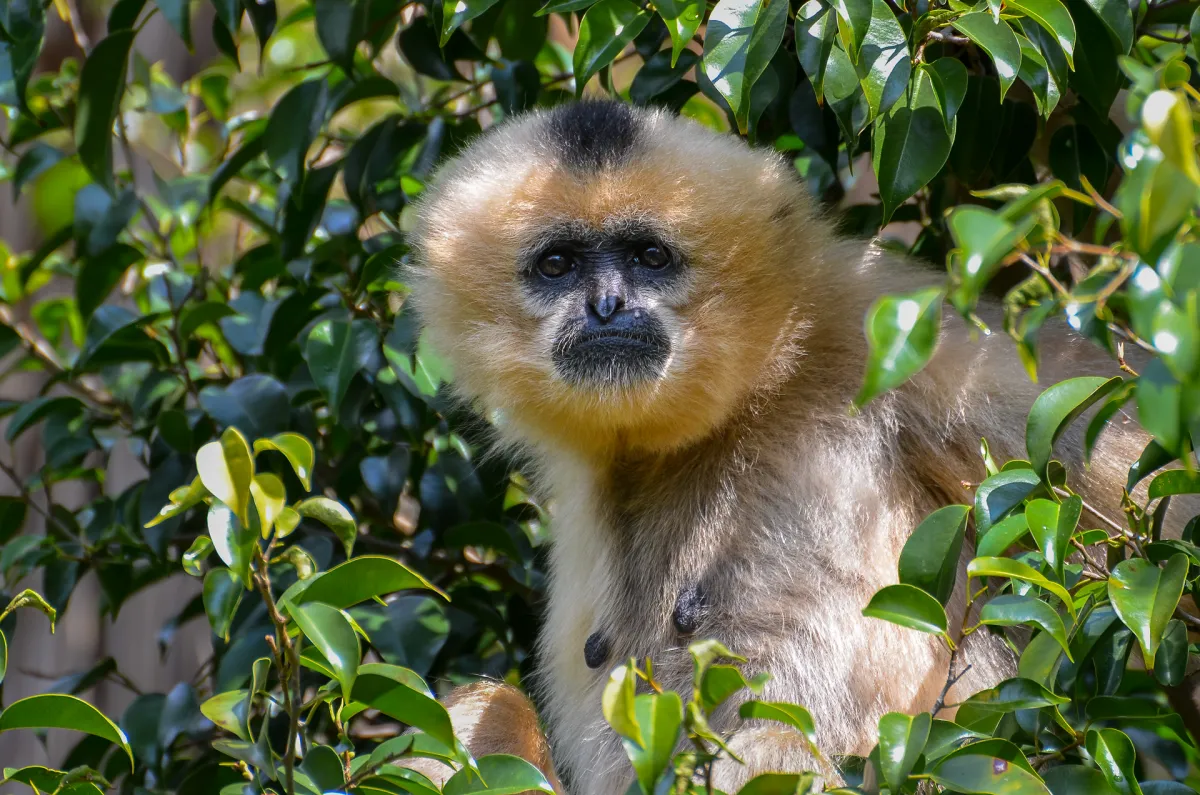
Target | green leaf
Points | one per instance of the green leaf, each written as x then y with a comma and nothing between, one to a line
605,30
741,38
912,143
503,774
683,18
1117,18
1170,664
359,579
1010,611
454,14
1153,457
884,64
909,607
297,449
200,549
779,784
1002,535
341,25
986,775
1076,780
178,14
854,20
402,695
1145,598
929,559
101,84
99,274
1054,17
222,594
335,351
902,332
997,40
1176,481
57,711
31,412
228,711
1115,756
1015,569
331,632
1042,81
233,541
617,703
793,715
333,515
1052,525
293,125
660,716
984,238
1056,408
226,469
901,741
816,28
12,517
1014,694
269,496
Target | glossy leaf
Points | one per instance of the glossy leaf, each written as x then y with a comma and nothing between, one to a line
330,631
401,695
222,595
1006,567
659,716
929,559
1145,597
333,515
101,84
618,706
912,143
226,468
57,711
1115,756
901,741
605,30
816,28
885,65
498,774
1052,525
997,40
1056,408
1009,611
297,449
359,579
901,334
1054,17
683,18
909,607
335,351
740,39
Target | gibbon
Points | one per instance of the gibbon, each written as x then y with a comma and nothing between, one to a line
658,317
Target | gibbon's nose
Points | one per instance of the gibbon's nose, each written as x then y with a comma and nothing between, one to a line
606,304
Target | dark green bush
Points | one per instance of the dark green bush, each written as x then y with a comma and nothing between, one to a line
214,286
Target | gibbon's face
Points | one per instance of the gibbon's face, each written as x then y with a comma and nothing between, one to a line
606,274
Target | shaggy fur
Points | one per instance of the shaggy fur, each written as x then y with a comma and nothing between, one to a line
738,479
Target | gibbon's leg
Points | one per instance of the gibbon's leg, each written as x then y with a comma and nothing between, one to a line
493,718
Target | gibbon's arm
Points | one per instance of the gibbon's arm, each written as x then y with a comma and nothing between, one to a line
493,718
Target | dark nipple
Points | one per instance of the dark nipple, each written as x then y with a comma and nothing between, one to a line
689,609
595,650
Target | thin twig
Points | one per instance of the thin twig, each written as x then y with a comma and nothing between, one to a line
951,680
75,23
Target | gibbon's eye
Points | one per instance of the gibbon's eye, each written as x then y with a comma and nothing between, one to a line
653,256
555,264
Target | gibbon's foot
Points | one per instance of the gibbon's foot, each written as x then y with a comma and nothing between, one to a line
493,718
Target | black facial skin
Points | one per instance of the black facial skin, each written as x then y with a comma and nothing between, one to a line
611,339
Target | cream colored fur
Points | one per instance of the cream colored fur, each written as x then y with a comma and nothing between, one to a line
742,467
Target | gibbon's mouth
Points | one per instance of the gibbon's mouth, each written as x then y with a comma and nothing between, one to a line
613,358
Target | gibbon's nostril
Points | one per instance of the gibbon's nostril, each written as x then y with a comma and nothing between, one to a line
689,609
595,650
607,305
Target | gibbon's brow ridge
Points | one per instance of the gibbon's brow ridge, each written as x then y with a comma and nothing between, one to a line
592,134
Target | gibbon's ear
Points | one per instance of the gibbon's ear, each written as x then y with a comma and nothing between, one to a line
493,718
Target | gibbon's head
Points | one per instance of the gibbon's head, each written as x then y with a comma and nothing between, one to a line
609,276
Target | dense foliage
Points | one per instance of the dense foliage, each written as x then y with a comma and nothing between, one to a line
213,292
